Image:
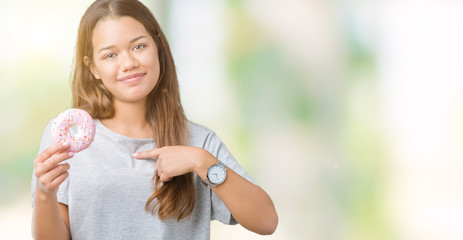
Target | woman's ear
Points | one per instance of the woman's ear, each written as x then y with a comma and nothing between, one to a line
89,64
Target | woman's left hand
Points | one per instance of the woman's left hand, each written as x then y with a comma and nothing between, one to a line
173,160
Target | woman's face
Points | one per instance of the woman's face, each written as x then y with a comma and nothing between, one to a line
125,58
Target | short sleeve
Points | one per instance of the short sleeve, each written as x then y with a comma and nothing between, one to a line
218,149
47,141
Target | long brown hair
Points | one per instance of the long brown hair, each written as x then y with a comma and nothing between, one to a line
164,112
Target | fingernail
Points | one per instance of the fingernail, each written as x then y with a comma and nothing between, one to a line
70,154
135,154
65,144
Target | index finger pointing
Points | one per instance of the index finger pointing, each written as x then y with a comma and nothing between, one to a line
150,154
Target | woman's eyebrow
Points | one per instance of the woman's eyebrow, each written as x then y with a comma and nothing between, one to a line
131,41
106,48
137,38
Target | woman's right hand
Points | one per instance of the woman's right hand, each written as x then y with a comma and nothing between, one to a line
48,170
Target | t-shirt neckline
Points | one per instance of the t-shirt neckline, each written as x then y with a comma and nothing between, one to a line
102,127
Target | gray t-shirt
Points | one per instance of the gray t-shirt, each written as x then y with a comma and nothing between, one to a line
107,189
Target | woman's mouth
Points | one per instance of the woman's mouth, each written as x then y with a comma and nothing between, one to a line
132,77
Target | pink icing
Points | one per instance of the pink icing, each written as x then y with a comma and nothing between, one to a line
75,127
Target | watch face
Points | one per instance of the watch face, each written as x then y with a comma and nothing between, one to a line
216,174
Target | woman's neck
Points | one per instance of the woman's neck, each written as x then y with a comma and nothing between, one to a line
129,120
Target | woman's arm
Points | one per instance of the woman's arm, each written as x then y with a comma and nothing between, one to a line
249,204
50,219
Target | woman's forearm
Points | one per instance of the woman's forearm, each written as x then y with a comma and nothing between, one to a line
249,204
47,220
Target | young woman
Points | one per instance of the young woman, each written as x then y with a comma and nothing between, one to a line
149,173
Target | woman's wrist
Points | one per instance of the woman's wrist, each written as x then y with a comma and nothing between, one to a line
203,162
42,196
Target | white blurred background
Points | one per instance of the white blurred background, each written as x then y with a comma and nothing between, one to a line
348,113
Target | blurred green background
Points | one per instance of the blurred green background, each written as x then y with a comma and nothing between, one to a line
348,113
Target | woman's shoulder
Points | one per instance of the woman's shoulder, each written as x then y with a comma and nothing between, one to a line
198,130
200,134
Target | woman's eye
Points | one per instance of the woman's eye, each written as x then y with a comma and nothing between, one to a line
138,47
109,56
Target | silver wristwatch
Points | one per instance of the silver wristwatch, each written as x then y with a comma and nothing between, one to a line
216,174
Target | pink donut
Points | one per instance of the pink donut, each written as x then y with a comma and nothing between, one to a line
75,127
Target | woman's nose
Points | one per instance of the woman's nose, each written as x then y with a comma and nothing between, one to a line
128,62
